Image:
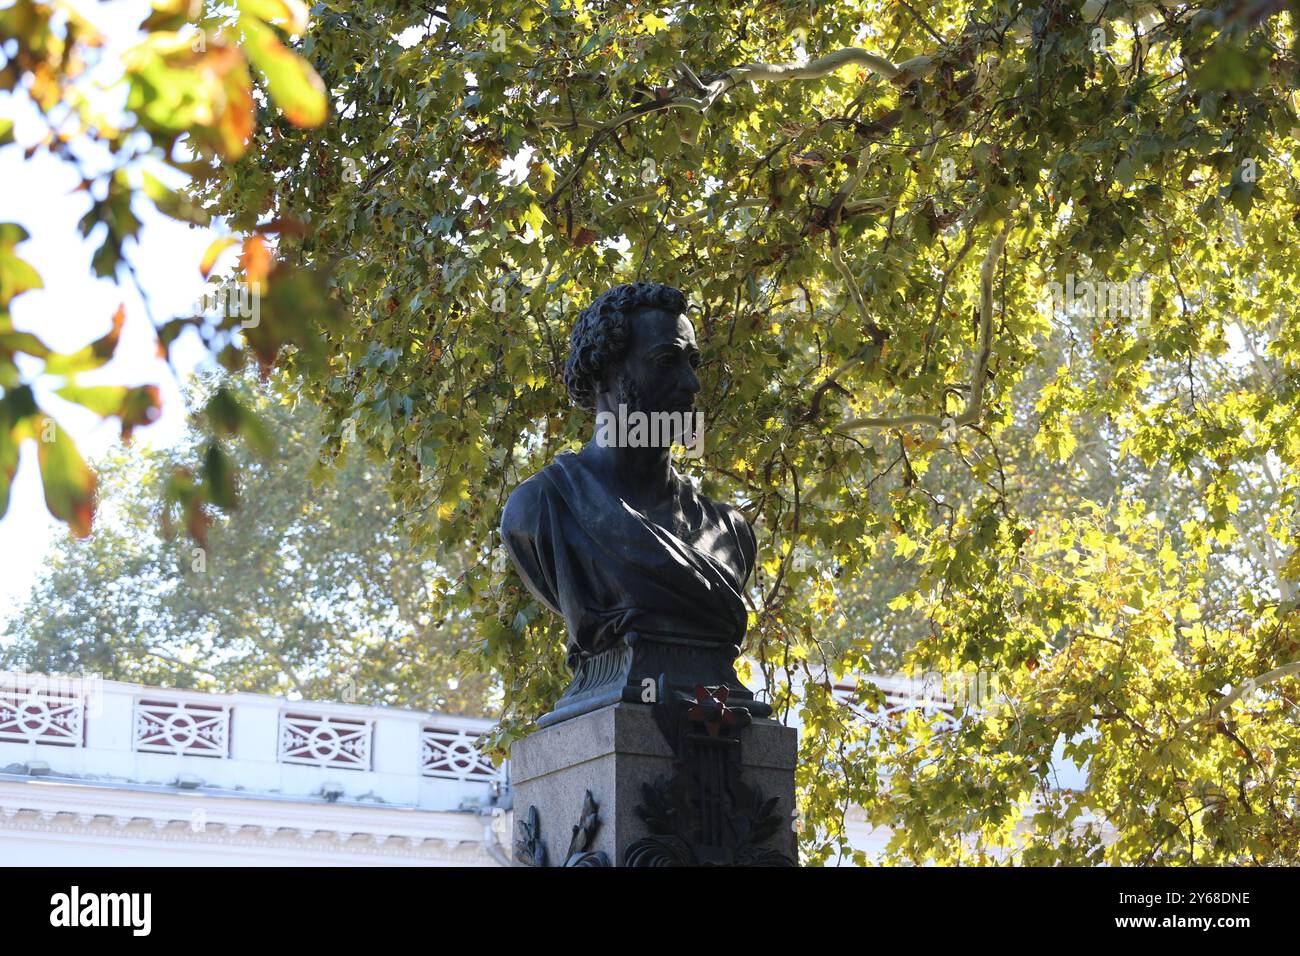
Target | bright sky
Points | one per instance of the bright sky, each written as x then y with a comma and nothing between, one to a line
75,307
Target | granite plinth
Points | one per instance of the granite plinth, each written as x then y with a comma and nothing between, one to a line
614,752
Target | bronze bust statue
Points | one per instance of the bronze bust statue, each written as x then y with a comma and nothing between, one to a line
647,573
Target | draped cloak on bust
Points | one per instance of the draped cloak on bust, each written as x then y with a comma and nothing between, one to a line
608,569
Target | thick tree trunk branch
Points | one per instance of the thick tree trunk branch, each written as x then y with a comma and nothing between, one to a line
1248,686
974,409
900,74
822,66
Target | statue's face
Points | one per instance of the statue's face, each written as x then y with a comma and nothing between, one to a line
658,372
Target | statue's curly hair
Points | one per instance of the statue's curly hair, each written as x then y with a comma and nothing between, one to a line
600,336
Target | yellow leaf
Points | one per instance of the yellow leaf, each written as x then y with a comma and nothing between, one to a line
534,218
213,253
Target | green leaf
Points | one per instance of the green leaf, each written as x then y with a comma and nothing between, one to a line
16,275
292,83
290,14
219,477
69,483
94,355
1228,67
174,204
103,400
11,342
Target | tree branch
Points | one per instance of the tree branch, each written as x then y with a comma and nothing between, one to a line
1248,686
974,409
823,66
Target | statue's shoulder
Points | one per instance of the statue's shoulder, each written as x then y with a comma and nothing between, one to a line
733,515
523,503
743,528
746,540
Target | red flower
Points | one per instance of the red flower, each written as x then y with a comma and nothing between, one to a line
711,709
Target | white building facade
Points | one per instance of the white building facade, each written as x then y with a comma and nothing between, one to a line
96,772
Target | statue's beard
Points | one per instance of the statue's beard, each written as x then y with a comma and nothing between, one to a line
683,424
629,395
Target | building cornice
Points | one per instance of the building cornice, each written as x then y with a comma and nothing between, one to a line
197,819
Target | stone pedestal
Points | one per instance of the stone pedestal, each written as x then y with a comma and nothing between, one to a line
661,786
674,665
